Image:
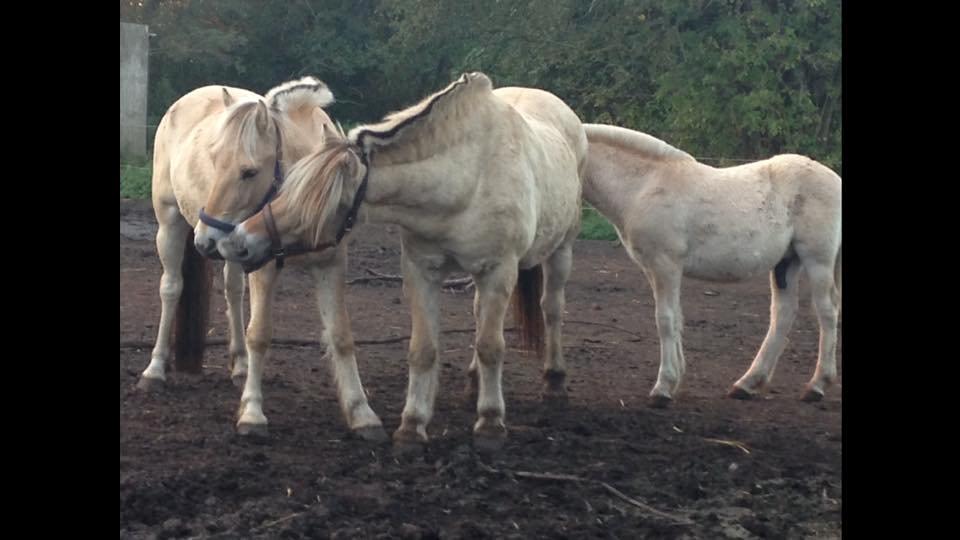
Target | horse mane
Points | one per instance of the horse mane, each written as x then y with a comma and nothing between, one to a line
444,109
239,122
239,126
314,185
641,143
305,92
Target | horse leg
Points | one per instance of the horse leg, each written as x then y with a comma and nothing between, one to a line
783,311
665,277
556,271
338,338
250,418
494,289
171,241
826,301
233,291
473,383
423,292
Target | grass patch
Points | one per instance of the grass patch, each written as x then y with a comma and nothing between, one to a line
135,179
594,226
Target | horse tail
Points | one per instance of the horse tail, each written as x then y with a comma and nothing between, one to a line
193,310
527,311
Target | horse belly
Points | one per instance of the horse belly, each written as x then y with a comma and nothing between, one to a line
729,262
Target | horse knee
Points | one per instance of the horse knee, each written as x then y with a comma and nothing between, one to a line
170,286
258,340
422,356
552,308
490,350
827,312
667,323
340,342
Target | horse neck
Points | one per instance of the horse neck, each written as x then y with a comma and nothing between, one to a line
420,195
613,176
417,189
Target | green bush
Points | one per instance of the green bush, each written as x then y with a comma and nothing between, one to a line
135,180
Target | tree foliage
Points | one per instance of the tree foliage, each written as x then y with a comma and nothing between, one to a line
741,79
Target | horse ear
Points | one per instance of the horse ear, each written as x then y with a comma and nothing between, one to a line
227,98
326,132
263,116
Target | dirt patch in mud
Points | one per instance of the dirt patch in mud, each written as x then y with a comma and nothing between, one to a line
184,473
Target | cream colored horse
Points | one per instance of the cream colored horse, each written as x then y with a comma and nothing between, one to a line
480,180
219,155
678,217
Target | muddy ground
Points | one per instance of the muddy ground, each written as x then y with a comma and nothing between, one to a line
707,467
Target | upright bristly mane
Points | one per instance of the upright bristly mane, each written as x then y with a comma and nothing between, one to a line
635,141
239,126
314,185
305,92
443,110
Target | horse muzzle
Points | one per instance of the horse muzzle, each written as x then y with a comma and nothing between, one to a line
207,247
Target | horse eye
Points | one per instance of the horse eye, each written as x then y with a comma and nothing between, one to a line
246,174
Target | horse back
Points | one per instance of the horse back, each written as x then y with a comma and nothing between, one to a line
549,110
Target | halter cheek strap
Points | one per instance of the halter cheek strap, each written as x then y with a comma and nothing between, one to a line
347,224
276,245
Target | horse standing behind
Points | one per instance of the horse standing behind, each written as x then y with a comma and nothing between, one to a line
219,156
676,217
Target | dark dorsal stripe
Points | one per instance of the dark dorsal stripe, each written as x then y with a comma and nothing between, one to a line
396,129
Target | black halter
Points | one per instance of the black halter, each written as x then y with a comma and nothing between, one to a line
276,244
347,224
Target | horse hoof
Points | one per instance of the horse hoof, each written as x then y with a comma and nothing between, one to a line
149,384
812,396
408,449
255,430
239,380
739,393
660,401
372,434
554,398
489,440
407,442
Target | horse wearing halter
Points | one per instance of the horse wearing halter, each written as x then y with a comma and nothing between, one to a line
276,245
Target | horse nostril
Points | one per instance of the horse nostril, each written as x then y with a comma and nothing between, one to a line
204,246
243,253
